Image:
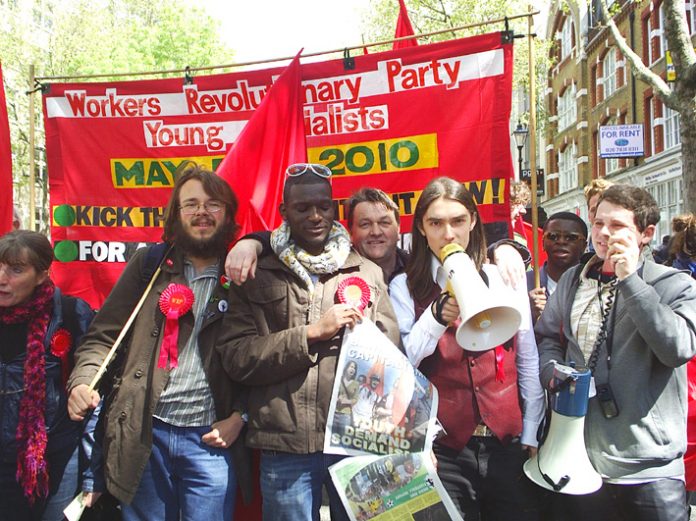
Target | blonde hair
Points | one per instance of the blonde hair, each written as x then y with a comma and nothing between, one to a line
520,193
594,187
684,236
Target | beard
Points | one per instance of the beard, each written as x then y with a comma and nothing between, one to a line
215,246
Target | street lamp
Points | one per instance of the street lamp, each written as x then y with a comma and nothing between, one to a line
520,135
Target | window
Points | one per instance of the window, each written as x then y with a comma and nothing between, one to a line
663,33
691,10
567,108
567,170
668,198
609,73
566,37
611,164
672,137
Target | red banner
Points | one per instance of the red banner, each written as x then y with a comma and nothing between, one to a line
5,164
394,121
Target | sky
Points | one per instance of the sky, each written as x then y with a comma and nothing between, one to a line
262,29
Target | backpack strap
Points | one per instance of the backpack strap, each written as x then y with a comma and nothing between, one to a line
153,259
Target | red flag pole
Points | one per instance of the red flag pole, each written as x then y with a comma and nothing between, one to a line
404,28
6,201
272,139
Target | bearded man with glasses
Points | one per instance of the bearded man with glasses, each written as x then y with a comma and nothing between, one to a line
172,444
283,340
564,241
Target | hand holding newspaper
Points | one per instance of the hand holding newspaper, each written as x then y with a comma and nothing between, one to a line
384,411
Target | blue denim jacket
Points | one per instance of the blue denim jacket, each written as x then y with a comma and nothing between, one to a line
63,434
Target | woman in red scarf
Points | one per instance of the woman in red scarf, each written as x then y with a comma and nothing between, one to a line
39,328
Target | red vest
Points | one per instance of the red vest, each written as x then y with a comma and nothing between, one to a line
468,391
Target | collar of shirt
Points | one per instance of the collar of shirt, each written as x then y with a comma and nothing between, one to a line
210,271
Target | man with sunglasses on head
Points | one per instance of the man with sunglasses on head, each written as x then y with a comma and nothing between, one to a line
172,445
283,340
564,241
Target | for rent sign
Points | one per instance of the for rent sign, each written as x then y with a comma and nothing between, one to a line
621,141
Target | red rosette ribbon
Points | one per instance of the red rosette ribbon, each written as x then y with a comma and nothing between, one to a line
354,291
61,342
176,300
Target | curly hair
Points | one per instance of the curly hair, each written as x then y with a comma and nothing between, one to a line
684,236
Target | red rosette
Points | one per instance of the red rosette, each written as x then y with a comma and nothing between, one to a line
61,343
354,291
175,301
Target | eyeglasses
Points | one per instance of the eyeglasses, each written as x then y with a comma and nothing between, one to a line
567,237
210,207
299,169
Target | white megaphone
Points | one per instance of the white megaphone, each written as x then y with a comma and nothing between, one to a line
486,321
561,464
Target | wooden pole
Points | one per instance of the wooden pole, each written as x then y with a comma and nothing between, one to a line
32,159
532,146
287,58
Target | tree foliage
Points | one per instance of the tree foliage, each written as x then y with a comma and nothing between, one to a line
435,15
81,37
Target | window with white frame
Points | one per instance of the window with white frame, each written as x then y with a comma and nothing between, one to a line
611,164
651,125
609,73
659,33
671,119
668,196
566,37
567,108
663,33
567,169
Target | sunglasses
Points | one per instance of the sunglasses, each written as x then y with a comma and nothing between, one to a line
299,169
566,237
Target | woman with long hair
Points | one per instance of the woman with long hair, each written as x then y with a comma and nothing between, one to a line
491,402
40,470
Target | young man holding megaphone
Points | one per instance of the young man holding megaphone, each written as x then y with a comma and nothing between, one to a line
491,401
632,323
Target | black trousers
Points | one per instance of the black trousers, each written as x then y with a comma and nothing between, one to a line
662,500
486,481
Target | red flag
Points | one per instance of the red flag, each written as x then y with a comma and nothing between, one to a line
404,28
271,140
5,165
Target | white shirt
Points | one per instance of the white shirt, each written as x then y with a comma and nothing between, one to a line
420,339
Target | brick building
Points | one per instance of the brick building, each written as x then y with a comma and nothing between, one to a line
591,86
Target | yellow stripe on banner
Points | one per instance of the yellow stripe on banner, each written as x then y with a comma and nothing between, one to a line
378,157
107,216
153,173
484,191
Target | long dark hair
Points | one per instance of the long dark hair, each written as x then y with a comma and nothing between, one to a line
418,271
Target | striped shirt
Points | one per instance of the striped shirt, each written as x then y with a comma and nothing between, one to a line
586,313
186,400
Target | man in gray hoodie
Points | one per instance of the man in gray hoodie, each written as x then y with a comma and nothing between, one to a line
633,323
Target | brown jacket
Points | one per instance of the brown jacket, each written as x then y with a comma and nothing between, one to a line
128,432
264,345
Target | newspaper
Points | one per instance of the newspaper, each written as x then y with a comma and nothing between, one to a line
395,487
380,403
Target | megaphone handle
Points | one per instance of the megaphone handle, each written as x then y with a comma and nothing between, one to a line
565,383
439,306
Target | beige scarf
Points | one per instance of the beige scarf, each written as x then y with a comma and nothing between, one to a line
301,263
